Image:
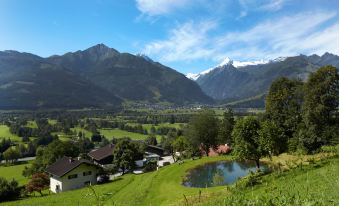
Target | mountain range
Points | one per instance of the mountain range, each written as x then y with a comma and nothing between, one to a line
102,77
96,77
246,83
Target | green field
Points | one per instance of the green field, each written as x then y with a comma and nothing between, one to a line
87,133
175,125
31,124
52,121
4,133
118,133
14,172
163,187
62,136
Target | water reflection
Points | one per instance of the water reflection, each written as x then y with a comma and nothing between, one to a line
219,173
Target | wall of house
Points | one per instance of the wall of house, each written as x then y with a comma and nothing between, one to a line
79,182
54,181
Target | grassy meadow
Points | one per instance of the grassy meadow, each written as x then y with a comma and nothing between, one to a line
14,172
315,184
162,187
315,180
4,133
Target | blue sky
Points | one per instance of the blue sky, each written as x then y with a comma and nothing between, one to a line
187,35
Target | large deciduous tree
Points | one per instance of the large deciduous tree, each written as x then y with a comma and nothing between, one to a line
49,154
321,97
283,106
246,139
271,138
124,154
38,183
319,108
226,127
11,154
151,140
203,130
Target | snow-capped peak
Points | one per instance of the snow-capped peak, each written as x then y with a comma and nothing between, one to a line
278,59
226,61
192,76
238,64
144,56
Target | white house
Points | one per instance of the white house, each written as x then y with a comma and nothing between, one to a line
69,174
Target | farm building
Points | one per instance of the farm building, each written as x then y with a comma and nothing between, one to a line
68,174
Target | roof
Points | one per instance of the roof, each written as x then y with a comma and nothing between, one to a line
155,147
64,165
102,152
221,149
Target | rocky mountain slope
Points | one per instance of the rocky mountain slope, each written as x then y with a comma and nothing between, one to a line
233,82
96,77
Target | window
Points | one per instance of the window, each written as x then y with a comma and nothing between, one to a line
73,176
87,173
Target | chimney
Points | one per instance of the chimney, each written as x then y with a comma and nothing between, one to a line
70,159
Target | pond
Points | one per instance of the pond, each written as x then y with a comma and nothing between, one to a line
219,173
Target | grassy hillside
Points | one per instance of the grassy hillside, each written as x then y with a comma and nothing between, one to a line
317,184
14,172
318,181
4,133
162,187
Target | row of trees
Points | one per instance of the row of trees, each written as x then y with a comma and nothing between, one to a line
299,117
305,112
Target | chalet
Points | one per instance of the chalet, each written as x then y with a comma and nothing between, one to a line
68,174
103,155
151,149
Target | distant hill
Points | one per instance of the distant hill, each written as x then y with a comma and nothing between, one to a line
96,77
242,84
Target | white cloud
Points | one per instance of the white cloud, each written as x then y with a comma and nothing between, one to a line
272,5
305,33
260,5
158,7
187,42
277,37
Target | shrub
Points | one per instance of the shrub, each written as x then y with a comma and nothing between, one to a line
9,190
150,166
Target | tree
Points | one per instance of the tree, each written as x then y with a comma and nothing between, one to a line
283,104
167,143
226,127
153,130
11,155
49,154
180,144
96,138
246,139
321,97
124,154
319,108
202,130
9,190
39,182
271,138
151,140
5,144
